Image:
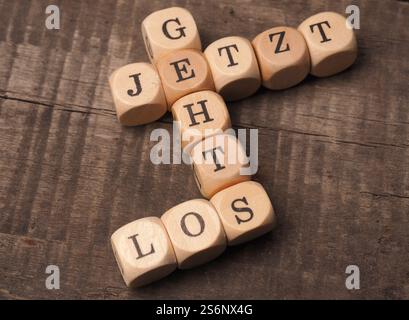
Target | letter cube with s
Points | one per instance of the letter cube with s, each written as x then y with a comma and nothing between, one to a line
143,251
168,30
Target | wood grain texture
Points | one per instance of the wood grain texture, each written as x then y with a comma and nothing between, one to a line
334,157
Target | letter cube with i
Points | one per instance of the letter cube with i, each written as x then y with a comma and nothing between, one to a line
245,210
195,231
182,72
168,30
137,93
143,251
199,115
283,57
219,162
234,67
331,42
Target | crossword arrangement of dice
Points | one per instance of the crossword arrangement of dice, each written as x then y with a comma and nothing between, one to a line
193,85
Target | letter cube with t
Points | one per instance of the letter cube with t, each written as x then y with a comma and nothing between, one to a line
234,67
168,30
245,210
331,42
219,162
137,93
143,251
195,231
183,72
200,114
283,57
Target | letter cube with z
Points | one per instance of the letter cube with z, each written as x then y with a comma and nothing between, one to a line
331,42
219,162
283,57
200,114
168,30
183,72
137,93
234,67
143,251
195,231
245,210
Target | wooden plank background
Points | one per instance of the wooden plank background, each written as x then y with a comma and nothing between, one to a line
334,157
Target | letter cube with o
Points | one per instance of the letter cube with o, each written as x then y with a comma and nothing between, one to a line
143,251
168,30
245,210
219,162
196,232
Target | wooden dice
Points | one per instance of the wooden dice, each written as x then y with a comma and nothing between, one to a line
331,42
218,162
143,251
245,210
137,93
195,231
183,72
283,57
234,67
168,30
200,115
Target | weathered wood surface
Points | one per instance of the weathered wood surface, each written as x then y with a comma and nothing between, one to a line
334,157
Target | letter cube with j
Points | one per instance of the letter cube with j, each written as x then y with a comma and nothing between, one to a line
219,162
168,30
195,231
137,93
143,251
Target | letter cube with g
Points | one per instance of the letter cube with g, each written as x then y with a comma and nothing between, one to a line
143,251
168,30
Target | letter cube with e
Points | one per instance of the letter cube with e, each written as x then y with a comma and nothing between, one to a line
219,162
200,114
143,251
234,67
331,42
283,57
245,210
195,231
137,93
183,72
168,30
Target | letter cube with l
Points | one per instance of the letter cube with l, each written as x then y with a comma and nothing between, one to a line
245,210
234,67
168,30
196,232
200,114
219,162
137,93
143,251
183,72
283,57
331,42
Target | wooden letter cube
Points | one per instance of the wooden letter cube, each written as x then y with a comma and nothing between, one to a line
283,57
245,210
332,44
218,162
168,30
196,232
183,72
143,251
137,93
234,67
201,114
